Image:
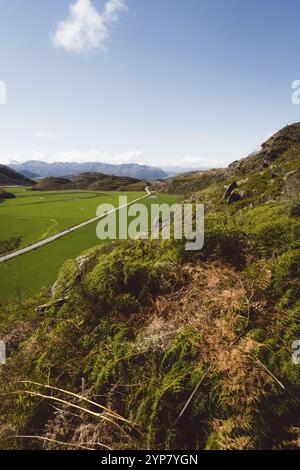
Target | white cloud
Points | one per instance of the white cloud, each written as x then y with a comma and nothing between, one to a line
86,28
191,163
45,135
131,156
112,9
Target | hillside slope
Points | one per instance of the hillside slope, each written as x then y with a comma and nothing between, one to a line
9,177
275,169
193,349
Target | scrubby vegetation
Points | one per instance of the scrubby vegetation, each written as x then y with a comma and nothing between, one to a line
145,345
9,245
6,195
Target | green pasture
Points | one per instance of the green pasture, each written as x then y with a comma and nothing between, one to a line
36,216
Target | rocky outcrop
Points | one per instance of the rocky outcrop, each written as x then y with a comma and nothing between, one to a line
72,272
229,190
235,196
275,147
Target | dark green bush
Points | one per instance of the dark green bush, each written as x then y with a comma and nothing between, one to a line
9,245
131,273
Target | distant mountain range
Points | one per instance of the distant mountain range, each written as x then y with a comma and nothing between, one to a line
9,177
35,169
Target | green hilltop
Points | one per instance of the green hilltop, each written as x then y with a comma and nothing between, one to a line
92,182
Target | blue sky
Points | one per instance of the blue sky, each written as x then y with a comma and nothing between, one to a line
165,82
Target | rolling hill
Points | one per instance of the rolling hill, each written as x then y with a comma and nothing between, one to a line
9,177
91,181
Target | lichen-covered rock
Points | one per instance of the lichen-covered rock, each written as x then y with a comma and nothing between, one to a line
66,278
72,271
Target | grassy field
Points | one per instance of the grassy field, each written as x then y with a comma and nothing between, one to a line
35,216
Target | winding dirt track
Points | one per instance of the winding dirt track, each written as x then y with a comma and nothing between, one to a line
37,245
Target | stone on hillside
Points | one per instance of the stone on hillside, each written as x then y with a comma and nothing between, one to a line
235,196
229,190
